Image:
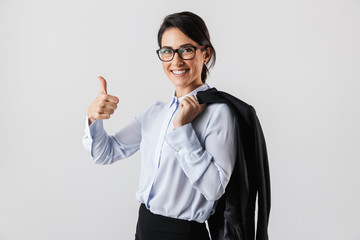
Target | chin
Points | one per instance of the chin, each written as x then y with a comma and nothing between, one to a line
180,82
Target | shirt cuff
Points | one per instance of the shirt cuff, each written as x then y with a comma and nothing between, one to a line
95,130
183,140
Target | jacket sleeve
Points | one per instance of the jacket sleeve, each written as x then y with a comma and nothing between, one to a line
263,178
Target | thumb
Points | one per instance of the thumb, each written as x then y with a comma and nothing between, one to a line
102,85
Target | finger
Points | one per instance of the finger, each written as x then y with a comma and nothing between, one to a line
106,111
196,104
202,106
185,102
112,99
103,88
100,116
109,105
193,100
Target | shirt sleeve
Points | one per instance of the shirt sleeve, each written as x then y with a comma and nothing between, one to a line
208,166
105,149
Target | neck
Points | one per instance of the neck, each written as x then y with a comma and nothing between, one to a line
182,91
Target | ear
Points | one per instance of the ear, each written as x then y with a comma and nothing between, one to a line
207,55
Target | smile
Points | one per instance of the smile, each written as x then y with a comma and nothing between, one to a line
179,72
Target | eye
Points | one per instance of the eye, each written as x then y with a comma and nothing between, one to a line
165,51
187,50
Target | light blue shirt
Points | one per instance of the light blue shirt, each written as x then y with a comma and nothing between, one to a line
184,170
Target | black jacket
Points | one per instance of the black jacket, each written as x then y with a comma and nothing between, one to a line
235,210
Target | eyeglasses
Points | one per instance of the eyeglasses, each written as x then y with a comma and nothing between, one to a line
185,53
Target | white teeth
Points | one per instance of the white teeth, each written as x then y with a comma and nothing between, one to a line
179,72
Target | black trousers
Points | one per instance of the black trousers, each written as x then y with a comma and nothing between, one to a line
151,226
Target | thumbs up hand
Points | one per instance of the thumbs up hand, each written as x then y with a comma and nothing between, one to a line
104,105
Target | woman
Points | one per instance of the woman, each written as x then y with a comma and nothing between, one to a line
188,149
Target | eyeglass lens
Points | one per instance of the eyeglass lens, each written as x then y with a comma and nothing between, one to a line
186,53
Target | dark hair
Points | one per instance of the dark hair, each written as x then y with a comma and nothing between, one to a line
195,28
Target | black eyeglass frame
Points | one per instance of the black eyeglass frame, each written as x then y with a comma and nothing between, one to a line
177,51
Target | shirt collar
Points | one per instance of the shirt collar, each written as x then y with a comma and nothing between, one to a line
175,99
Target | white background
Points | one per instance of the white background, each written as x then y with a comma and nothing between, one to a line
296,62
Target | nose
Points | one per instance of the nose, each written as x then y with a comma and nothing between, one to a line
177,60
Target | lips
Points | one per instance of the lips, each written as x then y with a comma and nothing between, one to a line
179,72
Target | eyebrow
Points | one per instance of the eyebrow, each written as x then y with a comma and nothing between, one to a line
184,45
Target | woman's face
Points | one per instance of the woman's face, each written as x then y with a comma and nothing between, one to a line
184,74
